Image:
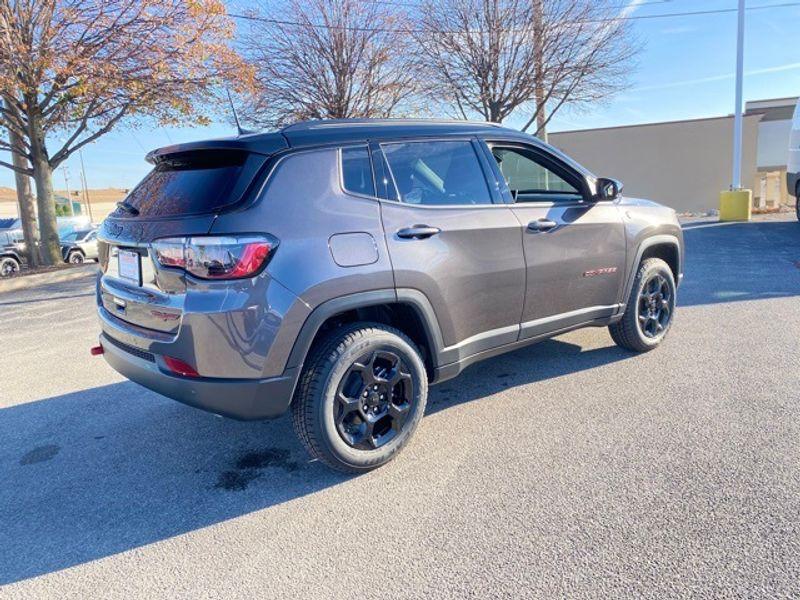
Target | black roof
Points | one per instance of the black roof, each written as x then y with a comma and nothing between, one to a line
339,131
345,131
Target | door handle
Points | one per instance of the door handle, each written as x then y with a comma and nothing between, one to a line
417,232
542,225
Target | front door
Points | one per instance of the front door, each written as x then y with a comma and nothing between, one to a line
450,241
574,249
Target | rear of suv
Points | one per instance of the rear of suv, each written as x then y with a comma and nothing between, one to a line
339,268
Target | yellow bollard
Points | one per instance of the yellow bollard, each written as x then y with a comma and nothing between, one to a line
735,205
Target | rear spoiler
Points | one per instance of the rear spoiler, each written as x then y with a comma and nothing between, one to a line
259,143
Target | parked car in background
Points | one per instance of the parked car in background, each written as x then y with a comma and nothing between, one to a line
337,268
79,246
793,162
12,252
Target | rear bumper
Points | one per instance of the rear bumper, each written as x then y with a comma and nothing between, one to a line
243,399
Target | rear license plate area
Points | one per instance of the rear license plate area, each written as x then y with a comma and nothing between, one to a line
129,266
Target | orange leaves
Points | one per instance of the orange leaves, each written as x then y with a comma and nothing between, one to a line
88,61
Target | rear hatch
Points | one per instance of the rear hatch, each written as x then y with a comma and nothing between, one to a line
179,198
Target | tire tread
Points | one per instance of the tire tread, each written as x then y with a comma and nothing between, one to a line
320,361
625,332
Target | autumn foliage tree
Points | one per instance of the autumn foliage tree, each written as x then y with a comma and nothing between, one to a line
71,70
329,59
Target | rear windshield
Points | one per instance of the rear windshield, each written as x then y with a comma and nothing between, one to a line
186,183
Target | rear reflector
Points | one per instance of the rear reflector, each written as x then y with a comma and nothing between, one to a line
179,367
96,350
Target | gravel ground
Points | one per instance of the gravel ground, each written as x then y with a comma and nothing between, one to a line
568,469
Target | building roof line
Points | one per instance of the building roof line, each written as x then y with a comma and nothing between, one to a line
654,123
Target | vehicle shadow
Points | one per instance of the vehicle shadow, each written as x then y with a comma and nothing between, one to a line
46,299
545,360
93,473
730,262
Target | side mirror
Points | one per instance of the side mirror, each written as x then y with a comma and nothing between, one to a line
607,189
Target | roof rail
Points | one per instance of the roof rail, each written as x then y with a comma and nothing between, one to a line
333,123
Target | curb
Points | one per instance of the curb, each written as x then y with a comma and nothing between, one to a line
29,281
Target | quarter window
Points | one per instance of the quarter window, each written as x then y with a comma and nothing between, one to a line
529,180
437,173
357,171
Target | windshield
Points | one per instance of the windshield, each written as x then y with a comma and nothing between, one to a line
75,236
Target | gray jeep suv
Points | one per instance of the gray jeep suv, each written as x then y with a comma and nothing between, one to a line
339,268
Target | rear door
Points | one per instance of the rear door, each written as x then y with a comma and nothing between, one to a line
574,249
451,238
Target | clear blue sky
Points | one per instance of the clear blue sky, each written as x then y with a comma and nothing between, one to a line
685,71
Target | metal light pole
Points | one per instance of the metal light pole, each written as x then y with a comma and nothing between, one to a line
66,184
736,183
736,203
85,187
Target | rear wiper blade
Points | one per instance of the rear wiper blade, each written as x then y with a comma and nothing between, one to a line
128,208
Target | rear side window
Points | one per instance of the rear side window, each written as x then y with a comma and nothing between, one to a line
437,173
357,171
187,183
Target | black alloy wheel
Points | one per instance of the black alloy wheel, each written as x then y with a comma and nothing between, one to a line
654,309
374,400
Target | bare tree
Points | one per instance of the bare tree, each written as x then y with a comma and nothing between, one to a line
329,59
79,67
492,58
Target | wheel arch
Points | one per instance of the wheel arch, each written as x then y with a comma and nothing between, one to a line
666,247
405,309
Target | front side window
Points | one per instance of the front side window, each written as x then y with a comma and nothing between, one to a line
437,173
357,171
529,180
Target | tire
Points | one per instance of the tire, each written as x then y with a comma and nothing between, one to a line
640,330
797,201
76,257
8,267
335,428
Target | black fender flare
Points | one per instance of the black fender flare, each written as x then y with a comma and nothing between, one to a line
410,297
655,240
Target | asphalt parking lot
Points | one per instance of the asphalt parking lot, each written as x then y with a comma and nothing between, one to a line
568,469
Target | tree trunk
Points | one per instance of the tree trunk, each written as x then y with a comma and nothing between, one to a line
27,211
541,116
43,176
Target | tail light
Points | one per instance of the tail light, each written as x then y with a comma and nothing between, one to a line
217,257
